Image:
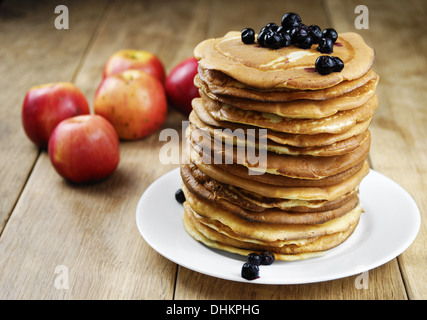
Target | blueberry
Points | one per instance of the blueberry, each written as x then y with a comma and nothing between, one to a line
250,271
315,33
286,39
305,43
254,259
261,37
302,38
293,32
326,45
324,65
285,36
339,64
248,36
272,26
267,257
290,20
273,40
331,34
179,196
301,32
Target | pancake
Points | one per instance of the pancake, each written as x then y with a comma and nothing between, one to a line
318,244
283,181
293,211
307,109
218,83
265,231
303,193
198,128
300,140
202,185
288,67
193,232
304,167
340,122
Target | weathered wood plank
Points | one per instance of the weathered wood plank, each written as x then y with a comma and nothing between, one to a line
91,230
33,52
399,148
191,285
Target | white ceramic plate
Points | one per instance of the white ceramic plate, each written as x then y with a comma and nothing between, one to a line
387,227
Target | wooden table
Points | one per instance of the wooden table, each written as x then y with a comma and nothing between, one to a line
49,227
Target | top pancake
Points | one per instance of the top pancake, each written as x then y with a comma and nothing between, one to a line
287,67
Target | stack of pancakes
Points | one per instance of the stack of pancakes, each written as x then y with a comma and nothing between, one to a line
302,198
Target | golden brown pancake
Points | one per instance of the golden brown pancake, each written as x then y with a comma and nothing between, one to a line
304,167
217,83
192,231
288,67
340,122
198,128
283,181
201,184
269,232
302,108
315,245
294,211
300,140
329,193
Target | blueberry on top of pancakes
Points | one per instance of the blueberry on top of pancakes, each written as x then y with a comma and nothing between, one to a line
331,34
290,20
248,36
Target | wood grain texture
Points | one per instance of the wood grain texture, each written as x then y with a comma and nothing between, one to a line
195,286
399,128
33,52
91,229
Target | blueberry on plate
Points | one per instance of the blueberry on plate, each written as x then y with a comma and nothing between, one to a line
339,64
179,196
267,257
331,34
248,36
254,259
315,33
326,45
325,65
250,271
290,20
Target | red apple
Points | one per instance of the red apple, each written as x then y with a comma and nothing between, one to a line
133,101
180,88
47,105
84,149
134,59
